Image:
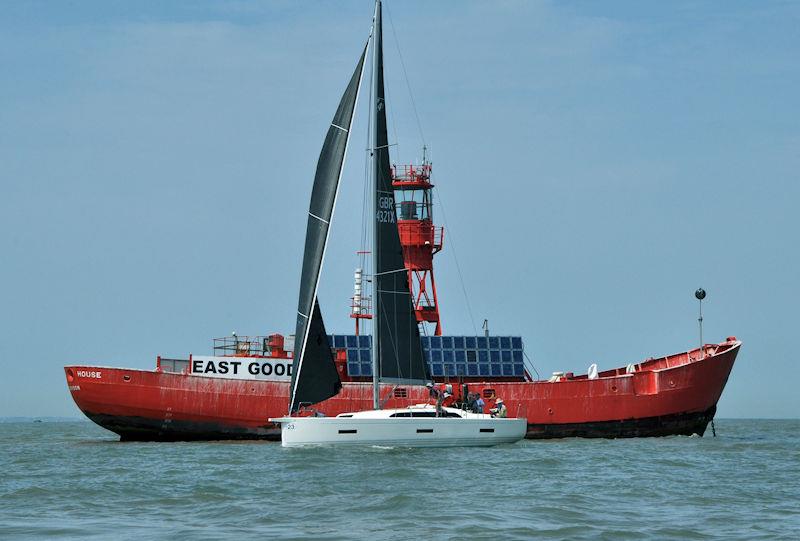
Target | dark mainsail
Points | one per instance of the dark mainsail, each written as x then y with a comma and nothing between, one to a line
397,341
314,375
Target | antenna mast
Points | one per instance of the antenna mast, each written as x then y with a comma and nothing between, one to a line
700,294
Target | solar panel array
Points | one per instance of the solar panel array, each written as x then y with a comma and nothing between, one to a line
471,356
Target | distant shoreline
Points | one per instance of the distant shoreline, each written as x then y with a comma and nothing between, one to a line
44,419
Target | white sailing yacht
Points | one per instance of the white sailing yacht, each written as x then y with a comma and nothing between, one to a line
397,349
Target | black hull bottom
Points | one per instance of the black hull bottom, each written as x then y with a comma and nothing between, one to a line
680,424
144,429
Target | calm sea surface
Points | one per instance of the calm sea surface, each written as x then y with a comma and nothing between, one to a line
74,480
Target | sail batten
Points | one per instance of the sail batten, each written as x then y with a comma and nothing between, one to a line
314,374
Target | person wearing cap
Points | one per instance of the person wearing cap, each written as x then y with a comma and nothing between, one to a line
499,409
433,391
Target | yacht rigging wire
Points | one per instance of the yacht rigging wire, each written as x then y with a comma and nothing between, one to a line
455,258
405,75
436,190
366,217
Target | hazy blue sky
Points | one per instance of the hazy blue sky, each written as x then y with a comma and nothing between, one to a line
597,161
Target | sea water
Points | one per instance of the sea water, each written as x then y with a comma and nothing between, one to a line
75,480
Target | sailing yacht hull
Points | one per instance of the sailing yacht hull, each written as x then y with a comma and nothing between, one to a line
400,432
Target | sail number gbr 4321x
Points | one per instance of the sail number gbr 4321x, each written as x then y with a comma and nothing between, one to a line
385,213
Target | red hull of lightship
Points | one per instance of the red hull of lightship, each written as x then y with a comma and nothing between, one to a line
673,395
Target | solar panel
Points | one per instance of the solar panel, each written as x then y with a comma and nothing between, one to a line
493,356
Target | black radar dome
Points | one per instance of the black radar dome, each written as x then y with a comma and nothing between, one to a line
700,294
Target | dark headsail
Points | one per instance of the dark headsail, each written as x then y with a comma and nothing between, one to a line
397,341
314,375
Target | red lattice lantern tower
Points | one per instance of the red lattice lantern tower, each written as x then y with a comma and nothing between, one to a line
419,237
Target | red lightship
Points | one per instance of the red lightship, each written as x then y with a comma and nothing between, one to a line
232,393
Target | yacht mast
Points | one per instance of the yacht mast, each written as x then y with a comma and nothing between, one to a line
376,47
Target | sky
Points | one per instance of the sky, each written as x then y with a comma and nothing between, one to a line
595,164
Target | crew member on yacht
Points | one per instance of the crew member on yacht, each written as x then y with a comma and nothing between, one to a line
448,400
499,409
479,403
440,398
